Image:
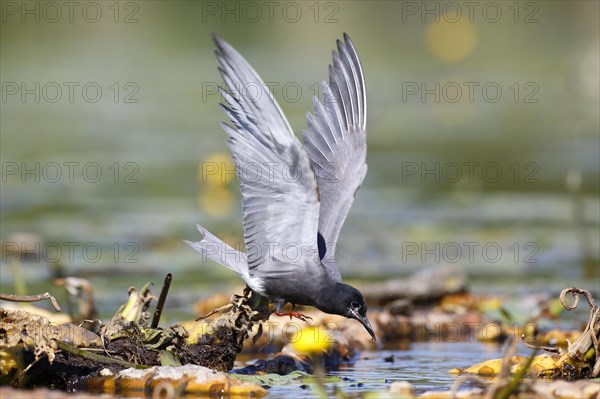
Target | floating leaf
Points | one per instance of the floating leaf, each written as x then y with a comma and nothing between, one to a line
491,367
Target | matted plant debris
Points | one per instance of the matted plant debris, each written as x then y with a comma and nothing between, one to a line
97,356
33,351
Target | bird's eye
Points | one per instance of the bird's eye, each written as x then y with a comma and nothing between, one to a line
354,305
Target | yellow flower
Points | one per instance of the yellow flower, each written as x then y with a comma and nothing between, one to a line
313,339
216,170
215,174
216,201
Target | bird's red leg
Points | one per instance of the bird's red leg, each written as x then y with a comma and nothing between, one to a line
297,315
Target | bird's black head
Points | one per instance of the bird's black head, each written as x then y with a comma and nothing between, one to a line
348,301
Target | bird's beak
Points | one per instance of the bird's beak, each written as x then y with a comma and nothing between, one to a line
365,322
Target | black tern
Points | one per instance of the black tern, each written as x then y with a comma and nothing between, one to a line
295,198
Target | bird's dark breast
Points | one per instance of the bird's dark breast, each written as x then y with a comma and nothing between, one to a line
299,291
290,294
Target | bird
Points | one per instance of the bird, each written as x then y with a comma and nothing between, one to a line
295,198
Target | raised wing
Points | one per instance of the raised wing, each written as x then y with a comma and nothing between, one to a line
336,144
279,191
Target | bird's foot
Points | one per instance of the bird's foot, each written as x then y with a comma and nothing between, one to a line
297,315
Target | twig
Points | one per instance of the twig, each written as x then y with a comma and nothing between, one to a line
223,308
161,300
31,298
594,313
589,337
95,357
551,349
593,330
574,291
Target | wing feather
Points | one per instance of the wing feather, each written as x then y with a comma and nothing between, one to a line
278,186
335,142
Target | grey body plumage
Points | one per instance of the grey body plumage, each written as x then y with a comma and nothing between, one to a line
295,198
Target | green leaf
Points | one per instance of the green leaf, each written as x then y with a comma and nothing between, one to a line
168,358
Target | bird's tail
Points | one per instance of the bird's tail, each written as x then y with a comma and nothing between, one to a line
214,249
